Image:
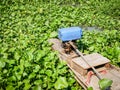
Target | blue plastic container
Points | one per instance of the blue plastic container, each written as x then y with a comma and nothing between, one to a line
71,33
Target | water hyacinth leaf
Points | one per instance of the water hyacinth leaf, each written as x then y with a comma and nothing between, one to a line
18,75
16,55
5,71
37,87
10,87
11,62
42,71
99,40
71,81
22,61
105,83
27,64
30,53
5,55
20,83
48,72
32,75
91,48
24,74
3,49
37,67
53,34
90,88
62,70
2,64
12,78
27,86
47,65
29,19
40,54
62,64
61,83
38,82
40,10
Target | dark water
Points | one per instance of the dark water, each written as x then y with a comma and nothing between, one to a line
92,28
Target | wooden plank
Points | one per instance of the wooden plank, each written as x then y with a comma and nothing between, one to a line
56,45
81,79
79,69
94,59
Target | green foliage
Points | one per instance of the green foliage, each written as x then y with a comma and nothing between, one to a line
111,8
105,83
61,83
26,58
90,88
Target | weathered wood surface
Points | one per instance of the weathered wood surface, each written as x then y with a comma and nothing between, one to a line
94,59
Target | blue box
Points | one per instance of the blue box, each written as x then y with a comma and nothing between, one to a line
71,33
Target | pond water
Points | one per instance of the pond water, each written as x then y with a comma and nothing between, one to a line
93,28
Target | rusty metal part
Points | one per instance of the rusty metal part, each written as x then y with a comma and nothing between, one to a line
67,47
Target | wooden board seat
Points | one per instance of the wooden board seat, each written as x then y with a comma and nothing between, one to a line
94,59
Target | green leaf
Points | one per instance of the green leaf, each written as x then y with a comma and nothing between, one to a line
91,48
40,10
30,53
37,67
27,84
38,82
38,87
20,83
90,88
40,54
5,71
53,34
12,78
42,71
105,83
27,64
10,87
11,62
18,75
16,55
71,80
24,74
2,64
48,72
32,75
61,83
29,19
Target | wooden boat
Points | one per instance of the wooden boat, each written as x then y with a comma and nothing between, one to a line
83,72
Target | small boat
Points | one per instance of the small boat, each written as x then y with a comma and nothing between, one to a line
84,73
